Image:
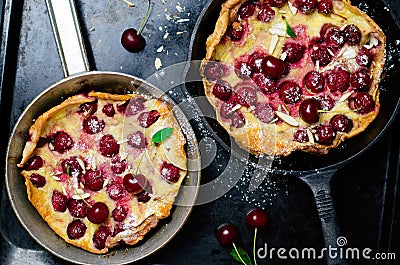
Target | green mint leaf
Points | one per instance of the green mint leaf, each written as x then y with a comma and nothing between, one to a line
161,135
290,31
243,257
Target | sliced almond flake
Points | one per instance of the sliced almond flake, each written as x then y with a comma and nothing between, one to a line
342,27
55,177
64,191
124,155
106,183
287,118
81,185
81,163
345,96
285,108
331,52
349,53
283,56
160,49
292,8
317,66
310,136
157,63
279,29
81,196
372,42
272,44
274,120
235,108
183,20
51,146
282,12
79,191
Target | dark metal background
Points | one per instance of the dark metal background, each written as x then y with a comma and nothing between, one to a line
365,192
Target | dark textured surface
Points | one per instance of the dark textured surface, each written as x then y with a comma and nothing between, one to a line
364,191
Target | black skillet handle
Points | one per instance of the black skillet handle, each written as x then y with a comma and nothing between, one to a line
320,186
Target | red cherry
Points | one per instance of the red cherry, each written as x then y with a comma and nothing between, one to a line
341,123
308,110
360,79
137,140
321,54
264,112
109,110
247,10
266,13
290,92
235,33
301,136
146,119
325,134
131,41
246,96
265,84
227,234
134,183
294,51
257,218
325,7
364,57
77,208
115,191
273,67
314,81
352,34
93,180
306,6
108,146
59,201
119,213
100,237
169,172
98,213
37,180
93,125
62,142
76,229
88,108
214,70
222,90
34,163
276,3
338,80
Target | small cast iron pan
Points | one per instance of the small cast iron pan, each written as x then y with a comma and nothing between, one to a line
315,170
65,26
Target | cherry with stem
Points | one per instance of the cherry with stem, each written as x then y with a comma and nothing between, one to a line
131,39
256,218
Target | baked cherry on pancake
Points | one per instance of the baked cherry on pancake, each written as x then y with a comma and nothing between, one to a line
297,75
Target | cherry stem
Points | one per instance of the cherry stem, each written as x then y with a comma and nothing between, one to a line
238,254
130,4
146,17
254,246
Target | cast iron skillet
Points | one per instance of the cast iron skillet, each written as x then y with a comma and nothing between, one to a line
315,170
74,60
